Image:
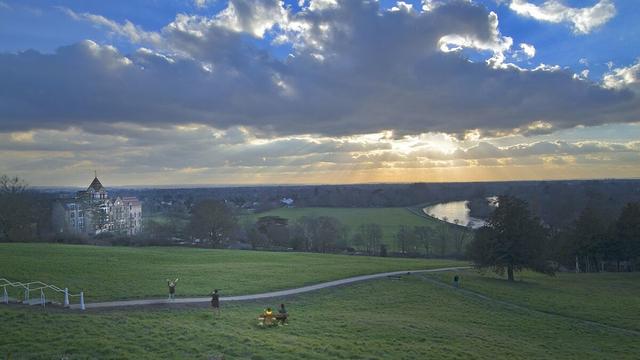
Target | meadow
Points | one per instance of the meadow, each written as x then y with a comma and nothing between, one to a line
390,219
407,318
609,298
114,273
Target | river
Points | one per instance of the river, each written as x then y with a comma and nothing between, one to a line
452,211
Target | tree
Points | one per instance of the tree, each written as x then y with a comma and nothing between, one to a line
627,230
305,229
460,236
512,240
444,235
255,238
17,210
401,239
358,240
423,237
372,234
275,228
330,232
212,220
406,240
383,250
588,239
320,234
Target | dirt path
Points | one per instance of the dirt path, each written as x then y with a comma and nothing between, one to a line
273,294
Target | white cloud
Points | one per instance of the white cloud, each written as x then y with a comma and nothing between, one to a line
402,6
129,30
253,17
201,4
583,20
528,49
624,77
319,5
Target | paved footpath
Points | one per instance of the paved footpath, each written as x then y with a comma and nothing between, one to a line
273,294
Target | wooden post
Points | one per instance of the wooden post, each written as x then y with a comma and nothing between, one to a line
26,293
66,297
82,307
5,296
43,300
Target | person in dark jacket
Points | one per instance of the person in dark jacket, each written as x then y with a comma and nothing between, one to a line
215,302
282,315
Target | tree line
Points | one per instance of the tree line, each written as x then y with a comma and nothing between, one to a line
514,239
213,222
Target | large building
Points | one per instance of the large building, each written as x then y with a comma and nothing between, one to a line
92,212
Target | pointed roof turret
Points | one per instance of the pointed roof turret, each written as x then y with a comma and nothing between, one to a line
96,185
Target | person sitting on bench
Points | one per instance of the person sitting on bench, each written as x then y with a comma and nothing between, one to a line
267,317
282,315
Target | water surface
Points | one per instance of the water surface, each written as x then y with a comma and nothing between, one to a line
452,211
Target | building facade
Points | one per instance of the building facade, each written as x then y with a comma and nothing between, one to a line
91,212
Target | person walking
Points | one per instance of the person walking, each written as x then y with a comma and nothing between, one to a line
172,288
215,302
456,281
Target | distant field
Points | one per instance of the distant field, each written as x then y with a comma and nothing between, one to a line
385,319
611,298
390,219
125,273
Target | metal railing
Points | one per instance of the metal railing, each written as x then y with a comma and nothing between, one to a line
38,286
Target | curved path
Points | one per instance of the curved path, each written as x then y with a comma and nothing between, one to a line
273,294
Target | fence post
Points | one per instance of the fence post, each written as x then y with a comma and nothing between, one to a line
66,297
43,300
81,300
26,293
5,296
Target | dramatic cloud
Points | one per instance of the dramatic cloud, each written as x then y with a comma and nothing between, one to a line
199,154
354,69
583,20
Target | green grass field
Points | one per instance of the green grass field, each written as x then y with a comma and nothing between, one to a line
610,298
110,273
409,318
389,219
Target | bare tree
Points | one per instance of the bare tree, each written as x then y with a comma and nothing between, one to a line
213,221
372,234
423,236
16,210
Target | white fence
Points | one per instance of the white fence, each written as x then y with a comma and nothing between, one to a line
38,286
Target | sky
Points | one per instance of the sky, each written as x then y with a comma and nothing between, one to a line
215,92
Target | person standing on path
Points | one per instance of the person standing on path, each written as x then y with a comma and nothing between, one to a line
456,281
172,288
215,302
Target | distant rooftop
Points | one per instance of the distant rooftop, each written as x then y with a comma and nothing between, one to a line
96,185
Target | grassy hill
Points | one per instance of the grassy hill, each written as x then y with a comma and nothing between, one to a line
109,273
411,318
390,219
610,298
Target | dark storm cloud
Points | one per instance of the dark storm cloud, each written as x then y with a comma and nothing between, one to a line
355,69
